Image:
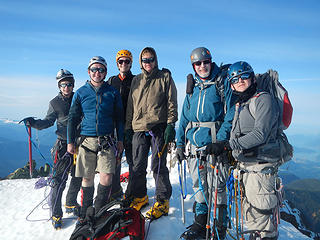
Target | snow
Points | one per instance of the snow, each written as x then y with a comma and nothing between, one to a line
24,214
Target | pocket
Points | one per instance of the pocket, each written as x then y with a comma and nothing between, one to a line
259,190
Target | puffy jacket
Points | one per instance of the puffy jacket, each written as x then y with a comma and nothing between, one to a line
100,111
254,134
205,105
152,99
58,110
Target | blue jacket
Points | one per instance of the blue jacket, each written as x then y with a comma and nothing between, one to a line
98,111
205,105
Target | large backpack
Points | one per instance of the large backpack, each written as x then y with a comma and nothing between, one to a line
112,222
269,82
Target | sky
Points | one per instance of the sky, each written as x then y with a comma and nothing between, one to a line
40,37
28,216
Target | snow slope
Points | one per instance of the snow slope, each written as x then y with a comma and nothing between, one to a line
18,198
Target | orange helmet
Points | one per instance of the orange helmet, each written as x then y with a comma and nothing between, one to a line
124,53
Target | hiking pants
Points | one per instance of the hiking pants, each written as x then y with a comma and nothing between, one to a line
206,173
116,185
61,168
260,199
141,143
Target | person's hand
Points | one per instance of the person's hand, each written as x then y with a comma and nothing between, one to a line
180,154
71,148
128,134
169,134
29,121
217,148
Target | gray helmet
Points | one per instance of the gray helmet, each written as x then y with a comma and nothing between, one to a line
65,75
98,59
200,54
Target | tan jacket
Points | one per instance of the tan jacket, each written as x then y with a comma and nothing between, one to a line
152,99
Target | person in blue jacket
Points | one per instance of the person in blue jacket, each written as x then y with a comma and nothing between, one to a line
98,107
206,117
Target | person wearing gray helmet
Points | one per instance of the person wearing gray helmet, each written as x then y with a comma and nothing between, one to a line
98,107
58,112
206,117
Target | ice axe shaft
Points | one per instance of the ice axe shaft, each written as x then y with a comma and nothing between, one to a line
30,151
182,193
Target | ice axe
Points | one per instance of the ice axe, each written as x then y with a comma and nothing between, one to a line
30,145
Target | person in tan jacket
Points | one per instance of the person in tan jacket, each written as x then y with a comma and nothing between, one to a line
150,120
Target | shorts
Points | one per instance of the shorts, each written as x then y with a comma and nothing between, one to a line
90,161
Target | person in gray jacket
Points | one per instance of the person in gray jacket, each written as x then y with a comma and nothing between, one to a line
254,144
58,112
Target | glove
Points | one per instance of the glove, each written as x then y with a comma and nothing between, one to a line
169,134
29,121
217,148
180,154
128,134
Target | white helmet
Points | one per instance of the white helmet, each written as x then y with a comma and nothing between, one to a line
98,59
65,75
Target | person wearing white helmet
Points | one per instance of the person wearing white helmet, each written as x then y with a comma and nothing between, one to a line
98,107
122,82
58,112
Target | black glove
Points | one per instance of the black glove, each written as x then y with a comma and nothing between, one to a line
29,121
180,154
128,134
169,134
217,148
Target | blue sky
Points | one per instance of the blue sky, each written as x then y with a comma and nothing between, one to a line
40,37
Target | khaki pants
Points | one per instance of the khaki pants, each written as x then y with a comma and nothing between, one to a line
89,161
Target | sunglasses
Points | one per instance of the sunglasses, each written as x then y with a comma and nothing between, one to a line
147,60
244,76
205,62
124,61
100,70
63,85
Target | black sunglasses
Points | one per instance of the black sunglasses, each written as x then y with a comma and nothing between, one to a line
204,62
124,61
100,70
147,60
63,85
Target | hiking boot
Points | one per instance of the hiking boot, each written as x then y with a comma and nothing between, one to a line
57,222
197,230
138,203
75,209
161,207
117,195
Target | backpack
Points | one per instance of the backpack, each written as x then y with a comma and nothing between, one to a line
269,82
112,222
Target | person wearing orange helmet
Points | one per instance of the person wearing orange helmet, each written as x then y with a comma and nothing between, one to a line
122,83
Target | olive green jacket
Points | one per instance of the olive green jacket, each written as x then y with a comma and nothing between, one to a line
152,99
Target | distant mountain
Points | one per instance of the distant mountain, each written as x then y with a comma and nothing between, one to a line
14,151
304,194
287,177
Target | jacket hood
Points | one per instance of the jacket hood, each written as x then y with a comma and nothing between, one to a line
155,58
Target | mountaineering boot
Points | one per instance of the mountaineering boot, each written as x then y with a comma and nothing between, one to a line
86,200
57,222
138,203
118,195
222,222
160,208
197,230
73,209
102,198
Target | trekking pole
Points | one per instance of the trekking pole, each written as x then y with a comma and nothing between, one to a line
215,197
182,176
30,150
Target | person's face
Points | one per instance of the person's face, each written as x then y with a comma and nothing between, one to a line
66,88
148,62
124,64
241,85
203,68
97,73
